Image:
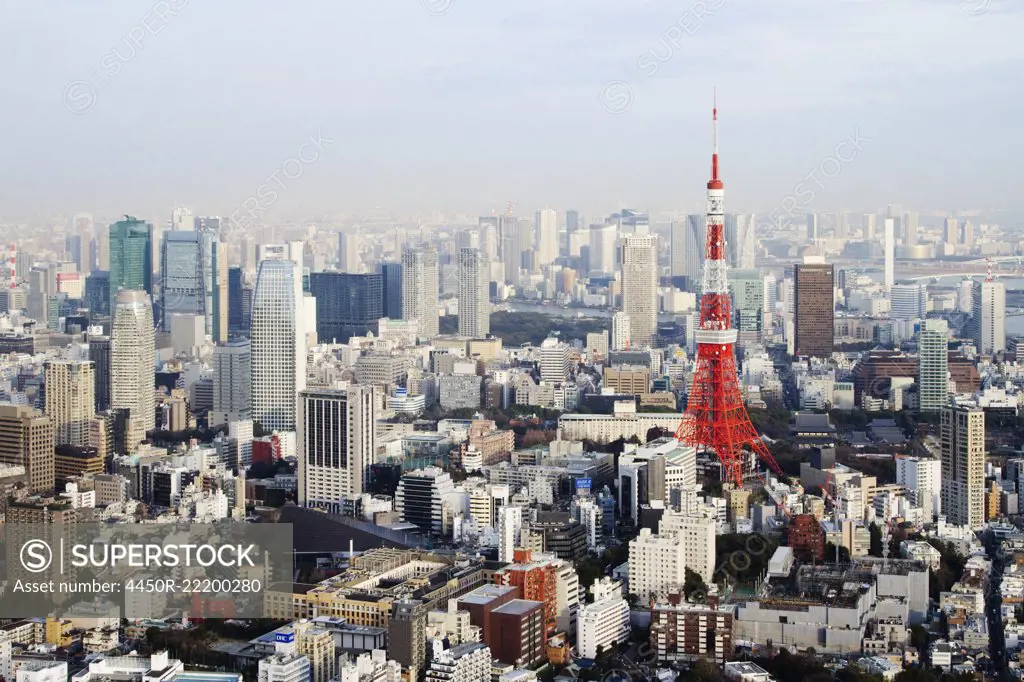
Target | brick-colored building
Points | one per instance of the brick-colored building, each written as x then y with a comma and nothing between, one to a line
481,603
517,635
686,632
537,581
806,538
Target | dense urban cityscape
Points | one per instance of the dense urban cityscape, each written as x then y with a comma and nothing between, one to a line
732,443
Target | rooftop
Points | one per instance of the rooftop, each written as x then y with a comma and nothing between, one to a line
518,607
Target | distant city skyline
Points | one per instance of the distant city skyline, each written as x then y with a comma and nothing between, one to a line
433,116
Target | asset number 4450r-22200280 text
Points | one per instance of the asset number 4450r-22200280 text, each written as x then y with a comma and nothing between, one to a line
218,586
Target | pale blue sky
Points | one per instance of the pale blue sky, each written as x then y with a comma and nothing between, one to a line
503,100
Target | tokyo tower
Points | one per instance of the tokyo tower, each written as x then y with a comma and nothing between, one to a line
716,418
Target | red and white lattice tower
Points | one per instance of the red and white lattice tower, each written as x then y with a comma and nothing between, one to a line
13,266
716,418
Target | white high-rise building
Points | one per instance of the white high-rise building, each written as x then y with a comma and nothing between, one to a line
962,435
922,477
278,345
474,294
510,524
696,530
420,290
640,288
348,252
908,301
890,252
604,622
547,236
988,317
466,662
554,360
741,240
133,363
602,248
420,496
70,400
910,225
335,444
657,564
869,227
965,296
232,374
933,365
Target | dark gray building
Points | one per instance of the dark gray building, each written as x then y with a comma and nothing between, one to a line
347,304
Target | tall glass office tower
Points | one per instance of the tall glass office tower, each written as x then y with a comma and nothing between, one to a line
131,257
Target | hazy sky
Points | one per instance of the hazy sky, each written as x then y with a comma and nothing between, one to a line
465,104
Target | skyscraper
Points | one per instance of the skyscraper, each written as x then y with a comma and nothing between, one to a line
133,364
572,224
70,400
278,348
347,304
890,252
181,276
215,285
908,301
620,331
687,249
602,248
812,227
131,257
962,435
841,230
988,317
99,355
748,304
952,231
933,365
474,290
869,227
348,252
640,288
967,232
547,235
391,274
814,309
26,439
335,444
236,321
741,240
910,225
232,374
420,290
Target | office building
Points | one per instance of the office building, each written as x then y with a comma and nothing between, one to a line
602,248
349,259
554,360
908,301
640,289
933,365
988,317
748,304
474,299
572,225
962,438
99,356
910,227
890,252
682,632
70,400
335,444
232,372
236,321
546,224
741,240
131,257
420,290
391,280
813,232
657,564
133,364
26,440
215,284
813,310
951,232
407,636
922,478
181,276
868,226
347,304
278,345
688,249
419,497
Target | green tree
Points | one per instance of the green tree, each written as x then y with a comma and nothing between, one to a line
694,585
702,670
875,549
